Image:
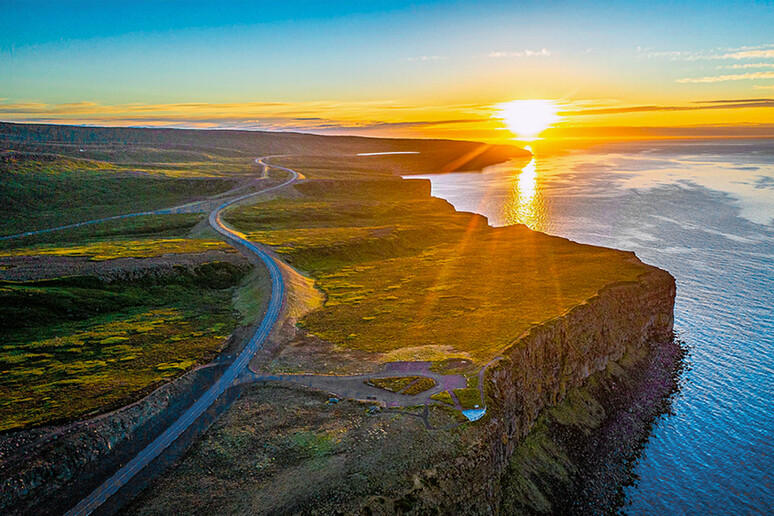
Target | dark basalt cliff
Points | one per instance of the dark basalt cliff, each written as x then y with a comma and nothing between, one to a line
556,356
520,459
568,405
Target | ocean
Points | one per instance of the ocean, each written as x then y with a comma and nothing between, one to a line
704,211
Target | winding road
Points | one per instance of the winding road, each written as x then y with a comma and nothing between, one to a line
155,448
238,372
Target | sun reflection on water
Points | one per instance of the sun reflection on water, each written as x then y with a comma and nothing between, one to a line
525,204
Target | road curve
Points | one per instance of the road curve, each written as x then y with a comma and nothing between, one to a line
155,448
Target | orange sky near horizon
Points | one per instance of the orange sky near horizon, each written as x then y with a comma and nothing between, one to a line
396,68
484,122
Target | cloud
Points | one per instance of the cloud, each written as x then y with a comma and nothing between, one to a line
543,52
635,133
734,101
739,53
425,58
302,116
732,77
750,54
760,87
746,65
704,105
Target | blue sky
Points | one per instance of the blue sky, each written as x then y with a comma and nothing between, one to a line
406,53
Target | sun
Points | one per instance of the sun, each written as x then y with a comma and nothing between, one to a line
528,118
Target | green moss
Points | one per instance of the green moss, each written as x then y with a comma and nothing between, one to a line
579,409
535,465
469,398
75,345
421,385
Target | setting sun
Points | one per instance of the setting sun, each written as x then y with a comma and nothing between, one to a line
528,118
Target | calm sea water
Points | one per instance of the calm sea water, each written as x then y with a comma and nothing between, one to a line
703,211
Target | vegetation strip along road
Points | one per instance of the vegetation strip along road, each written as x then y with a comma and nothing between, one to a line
155,448
182,208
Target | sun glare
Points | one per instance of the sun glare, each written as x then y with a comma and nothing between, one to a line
528,118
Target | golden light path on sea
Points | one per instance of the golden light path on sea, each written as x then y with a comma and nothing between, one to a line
525,204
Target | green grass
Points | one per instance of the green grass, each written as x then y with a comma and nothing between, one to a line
407,277
110,250
39,191
75,345
468,397
472,380
421,385
133,228
443,397
393,383
250,299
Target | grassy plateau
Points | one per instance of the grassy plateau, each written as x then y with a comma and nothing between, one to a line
407,277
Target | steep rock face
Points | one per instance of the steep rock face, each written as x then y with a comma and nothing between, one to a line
560,354
46,470
622,323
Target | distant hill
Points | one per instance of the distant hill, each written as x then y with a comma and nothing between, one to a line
69,140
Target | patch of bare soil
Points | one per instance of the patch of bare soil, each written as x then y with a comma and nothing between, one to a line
284,450
304,353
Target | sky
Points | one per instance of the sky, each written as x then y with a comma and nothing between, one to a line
392,68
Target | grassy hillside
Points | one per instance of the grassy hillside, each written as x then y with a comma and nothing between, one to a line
407,277
73,345
44,191
373,247
56,175
228,143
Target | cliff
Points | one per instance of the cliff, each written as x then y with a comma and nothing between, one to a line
568,403
620,330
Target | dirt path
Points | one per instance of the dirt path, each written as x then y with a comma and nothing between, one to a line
356,388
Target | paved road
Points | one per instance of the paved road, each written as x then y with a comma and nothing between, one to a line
154,449
354,387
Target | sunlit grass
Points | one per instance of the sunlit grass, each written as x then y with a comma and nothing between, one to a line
402,273
43,191
76,345
110,250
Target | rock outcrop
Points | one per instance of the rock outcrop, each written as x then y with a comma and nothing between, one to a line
623,325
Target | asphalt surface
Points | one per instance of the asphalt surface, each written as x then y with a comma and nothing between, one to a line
155,448
354,387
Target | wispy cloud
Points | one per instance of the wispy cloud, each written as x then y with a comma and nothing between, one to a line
696,106
746,66
342,117
543,52
739,53
749,54
635,133
731,77
426,58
